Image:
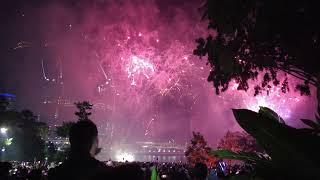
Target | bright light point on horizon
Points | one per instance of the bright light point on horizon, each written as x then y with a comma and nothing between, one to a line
123,157
139,34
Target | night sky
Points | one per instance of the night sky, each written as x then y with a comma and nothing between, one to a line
132,59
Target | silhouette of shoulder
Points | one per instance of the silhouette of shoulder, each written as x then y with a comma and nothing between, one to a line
78,169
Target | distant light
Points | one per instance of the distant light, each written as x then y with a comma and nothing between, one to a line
7,95
139,34
3,149
122,157
157,40
3,130
8,141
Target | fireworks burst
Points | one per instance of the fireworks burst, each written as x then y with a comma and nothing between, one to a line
275,100
140,65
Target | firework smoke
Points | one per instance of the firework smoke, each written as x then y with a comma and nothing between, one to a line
133,59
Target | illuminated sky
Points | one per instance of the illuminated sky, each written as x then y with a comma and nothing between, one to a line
133,57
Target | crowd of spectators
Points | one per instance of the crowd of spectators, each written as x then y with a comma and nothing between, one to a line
82,165
124,170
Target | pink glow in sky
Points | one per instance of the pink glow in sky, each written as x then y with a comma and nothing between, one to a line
135,58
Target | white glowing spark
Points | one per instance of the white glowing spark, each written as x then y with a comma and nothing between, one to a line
43,72
133,82
3,130
138,66
234,86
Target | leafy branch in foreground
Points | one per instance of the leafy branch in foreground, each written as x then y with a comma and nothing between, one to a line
289,148
261,36
250,157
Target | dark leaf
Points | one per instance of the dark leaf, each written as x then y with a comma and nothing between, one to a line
277,138
243,156
311,124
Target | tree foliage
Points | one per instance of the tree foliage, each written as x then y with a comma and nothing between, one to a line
83,108
199,152
82,114
26,132
239,142
250,157
63,130
261,36
42,130
50,151
3,103
293,152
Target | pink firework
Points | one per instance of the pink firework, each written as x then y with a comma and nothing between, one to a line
282,103
139,67
135,57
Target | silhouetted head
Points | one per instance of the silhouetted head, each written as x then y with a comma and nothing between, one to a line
83,137
200,171
4,169
129,171
35,174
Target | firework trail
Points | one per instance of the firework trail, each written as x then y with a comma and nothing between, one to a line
44,72
22,44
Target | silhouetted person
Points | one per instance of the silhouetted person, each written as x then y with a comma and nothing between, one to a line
200,171
81,164
129,171
4,170
35,174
